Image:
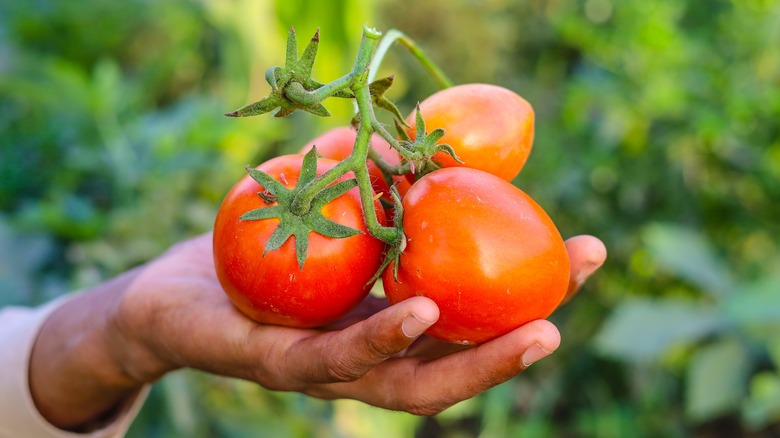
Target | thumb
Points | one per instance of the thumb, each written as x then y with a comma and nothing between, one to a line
346,355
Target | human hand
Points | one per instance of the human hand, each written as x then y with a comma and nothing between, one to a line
172,313
183,318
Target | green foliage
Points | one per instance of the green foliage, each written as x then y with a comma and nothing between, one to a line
656,130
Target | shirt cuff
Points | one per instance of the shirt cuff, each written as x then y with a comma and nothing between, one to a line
19,417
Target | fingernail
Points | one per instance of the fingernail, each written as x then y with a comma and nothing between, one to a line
533,354
414,326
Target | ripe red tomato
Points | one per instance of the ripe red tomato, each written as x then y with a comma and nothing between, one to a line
490,128
272,288
337,144
483,250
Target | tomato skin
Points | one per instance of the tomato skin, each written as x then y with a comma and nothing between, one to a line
483,250
271,288
337,144
490,128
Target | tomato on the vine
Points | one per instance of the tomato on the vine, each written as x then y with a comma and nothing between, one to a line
483,250
271,287
490,128
337,144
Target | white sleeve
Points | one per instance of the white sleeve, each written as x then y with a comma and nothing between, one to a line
19,417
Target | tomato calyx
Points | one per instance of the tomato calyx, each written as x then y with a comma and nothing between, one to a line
292,87
291,224
419,152
377,89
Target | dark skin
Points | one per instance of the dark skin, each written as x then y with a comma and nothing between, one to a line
99,349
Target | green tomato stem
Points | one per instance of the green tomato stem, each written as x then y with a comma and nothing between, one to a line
302,202
393,35
360,152
387,168
356,80
300,95
385,234
366,50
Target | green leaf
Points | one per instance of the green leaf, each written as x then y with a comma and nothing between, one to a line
641,330
686,253
717,375
762,406
774,352
755,304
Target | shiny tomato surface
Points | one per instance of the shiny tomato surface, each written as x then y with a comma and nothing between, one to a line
483,250
490,128
271,287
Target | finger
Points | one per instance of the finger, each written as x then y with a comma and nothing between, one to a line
346,355
428,387
586,255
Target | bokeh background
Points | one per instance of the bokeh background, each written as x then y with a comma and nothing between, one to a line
657,130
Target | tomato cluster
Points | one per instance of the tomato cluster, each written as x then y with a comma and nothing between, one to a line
481,248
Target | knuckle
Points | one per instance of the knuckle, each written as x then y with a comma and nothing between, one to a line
340,369
420,400
424,408
378,347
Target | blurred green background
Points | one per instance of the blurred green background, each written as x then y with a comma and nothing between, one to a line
657,130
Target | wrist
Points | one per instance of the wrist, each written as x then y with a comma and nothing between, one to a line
74,378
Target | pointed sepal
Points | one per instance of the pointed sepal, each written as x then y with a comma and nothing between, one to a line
291,224
292,48
377,90
419,123
306,63
399,128
328,228
301,247
262,106
268,182
333,192
308,167
380,86
262,213
317,109
278,237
